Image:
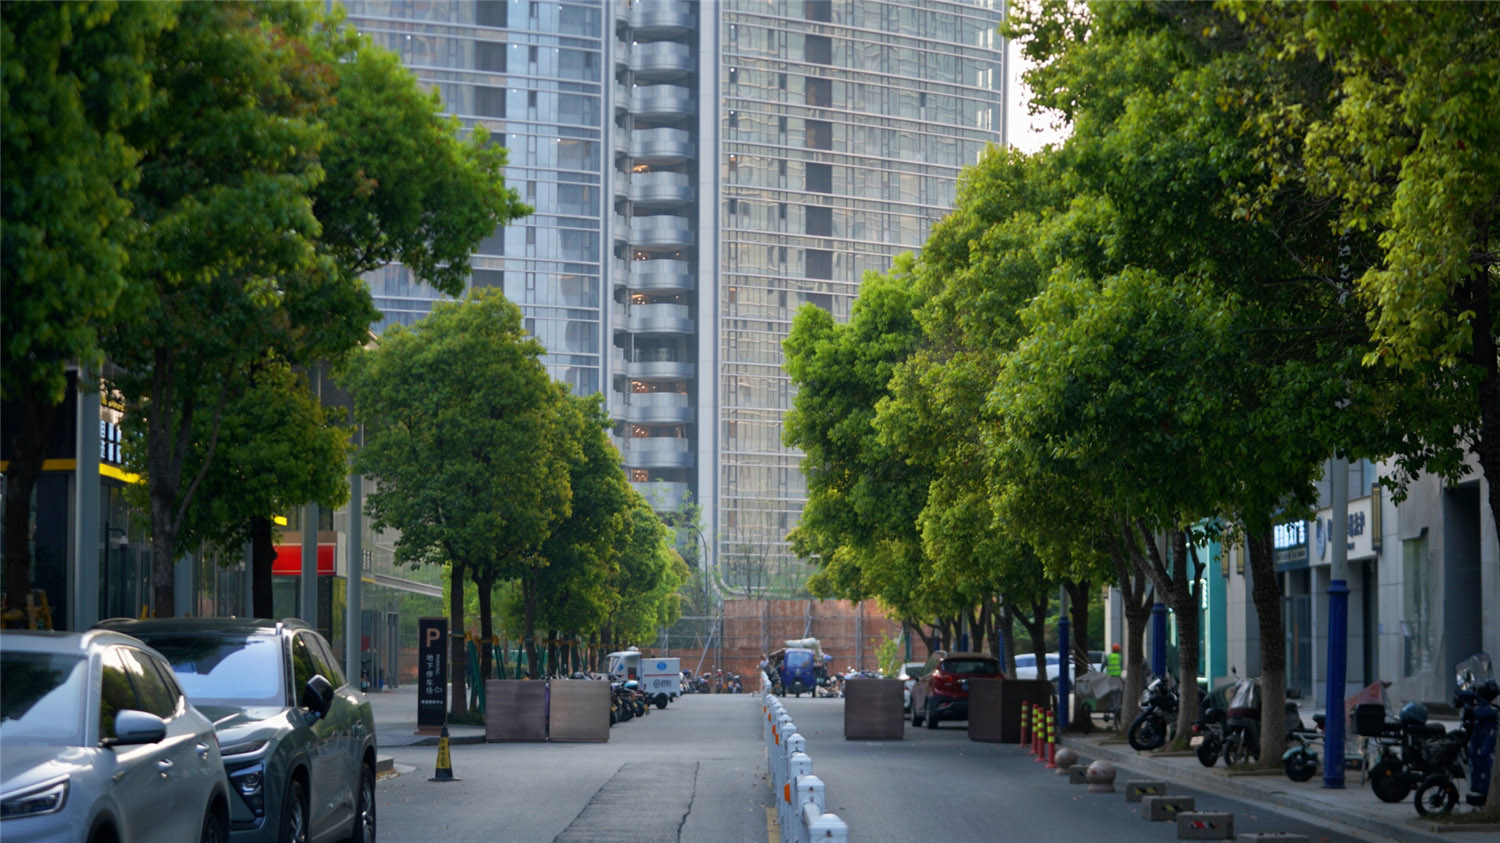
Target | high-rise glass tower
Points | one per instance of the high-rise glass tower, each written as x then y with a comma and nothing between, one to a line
699,171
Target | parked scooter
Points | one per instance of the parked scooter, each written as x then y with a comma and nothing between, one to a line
1409,748
1151,728
1209,727
1471,746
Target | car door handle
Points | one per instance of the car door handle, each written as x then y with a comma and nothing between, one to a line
203,749
164,765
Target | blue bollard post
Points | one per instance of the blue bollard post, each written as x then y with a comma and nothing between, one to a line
1338,660
1159,639
1064,670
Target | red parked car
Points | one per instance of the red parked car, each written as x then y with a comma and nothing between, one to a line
943,691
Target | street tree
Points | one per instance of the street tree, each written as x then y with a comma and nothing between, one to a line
72,77
461,428
283,156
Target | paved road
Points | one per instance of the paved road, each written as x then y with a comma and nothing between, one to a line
696,772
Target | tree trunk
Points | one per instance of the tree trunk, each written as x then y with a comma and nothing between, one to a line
1078,644
262,559
528,631
1007,625
1176,584
459,698
28,453
1136,597
552,652
1265,590
486,586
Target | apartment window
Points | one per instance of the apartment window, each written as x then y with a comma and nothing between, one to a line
820,264
819,134
818,91
489,102
820,222
491,13
820,178
734,119
818,10
818,49
489,56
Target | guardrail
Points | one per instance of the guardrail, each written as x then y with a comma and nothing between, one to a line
801,797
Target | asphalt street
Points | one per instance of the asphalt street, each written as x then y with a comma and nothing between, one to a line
697,772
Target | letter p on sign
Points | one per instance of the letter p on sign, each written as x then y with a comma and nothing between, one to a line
433,635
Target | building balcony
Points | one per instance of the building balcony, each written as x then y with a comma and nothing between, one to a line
659,370
660,231
662,495
661,61
661,146
660,276
660,319
622,97
621,228
658,452
661,18
661,101
658,408
660,190
620,274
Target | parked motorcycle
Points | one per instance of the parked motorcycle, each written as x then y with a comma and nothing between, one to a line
1469,751
1151,728
1300,762
1410,748
1209,727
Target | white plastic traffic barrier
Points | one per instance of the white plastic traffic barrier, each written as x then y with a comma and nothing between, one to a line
797,764
817,827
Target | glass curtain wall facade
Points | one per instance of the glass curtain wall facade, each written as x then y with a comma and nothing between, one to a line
531,73
843,130
700,170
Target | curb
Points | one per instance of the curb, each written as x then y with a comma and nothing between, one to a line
1413,831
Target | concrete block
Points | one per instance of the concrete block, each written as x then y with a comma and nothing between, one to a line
1272,837
1205,825
1138,789
1078,774
1164,809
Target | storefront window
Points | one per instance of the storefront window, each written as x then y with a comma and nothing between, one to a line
1416,606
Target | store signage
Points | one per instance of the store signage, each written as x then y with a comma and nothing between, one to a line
432,671
1289,545
1361,532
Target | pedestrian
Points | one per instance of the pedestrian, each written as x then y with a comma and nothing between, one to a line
1114,666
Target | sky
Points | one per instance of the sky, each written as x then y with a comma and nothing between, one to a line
1026,132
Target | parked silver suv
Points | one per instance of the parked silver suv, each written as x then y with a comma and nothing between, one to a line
298,740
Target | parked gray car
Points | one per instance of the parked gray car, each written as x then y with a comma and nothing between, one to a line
298,740
99,743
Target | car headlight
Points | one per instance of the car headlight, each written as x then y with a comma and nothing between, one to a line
250,783
47,799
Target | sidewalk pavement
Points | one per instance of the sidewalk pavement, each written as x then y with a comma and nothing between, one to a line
1354,805
395,712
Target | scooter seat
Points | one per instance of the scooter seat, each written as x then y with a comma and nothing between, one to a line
1321,719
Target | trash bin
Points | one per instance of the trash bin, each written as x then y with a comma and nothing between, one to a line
872,710
995,707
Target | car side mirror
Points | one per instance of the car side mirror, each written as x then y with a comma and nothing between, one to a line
137,727
317,695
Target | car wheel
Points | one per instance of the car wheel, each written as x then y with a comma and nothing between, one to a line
931,715
364,810
293,826
214,830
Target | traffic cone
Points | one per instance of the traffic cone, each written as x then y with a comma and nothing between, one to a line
444,771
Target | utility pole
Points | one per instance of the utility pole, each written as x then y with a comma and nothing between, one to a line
1338,625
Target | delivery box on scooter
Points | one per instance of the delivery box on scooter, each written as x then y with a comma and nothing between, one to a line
659,677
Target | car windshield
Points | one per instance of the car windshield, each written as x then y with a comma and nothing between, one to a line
42,698
234,670
798,658
971,666
1028,660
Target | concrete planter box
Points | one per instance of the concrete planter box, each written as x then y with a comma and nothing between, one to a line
995,707
516,710
872,710
578,710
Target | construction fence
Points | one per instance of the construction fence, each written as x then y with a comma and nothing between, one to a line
850,635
